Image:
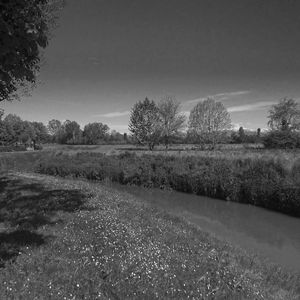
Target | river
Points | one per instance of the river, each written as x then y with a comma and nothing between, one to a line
259,231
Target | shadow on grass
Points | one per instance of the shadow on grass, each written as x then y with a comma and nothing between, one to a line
11,243
24,207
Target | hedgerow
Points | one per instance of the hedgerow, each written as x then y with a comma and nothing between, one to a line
265,183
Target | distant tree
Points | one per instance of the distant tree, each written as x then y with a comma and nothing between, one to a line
172,120
72,132
284,121
116,137
24,31
41,134
242,136
208,121
258,132
15,127
145,123
93,133
285,115
125,137
54,126
56,131
28,134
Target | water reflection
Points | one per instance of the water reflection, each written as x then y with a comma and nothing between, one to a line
274,235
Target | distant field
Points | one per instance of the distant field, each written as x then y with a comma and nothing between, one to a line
288,157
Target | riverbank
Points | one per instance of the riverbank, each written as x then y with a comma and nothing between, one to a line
266,183
109,245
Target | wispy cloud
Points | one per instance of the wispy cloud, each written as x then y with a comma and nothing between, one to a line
94,60
219,96
115,114
249,107
120,128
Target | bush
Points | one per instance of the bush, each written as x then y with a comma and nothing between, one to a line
253,181
12,148
282,139
38,147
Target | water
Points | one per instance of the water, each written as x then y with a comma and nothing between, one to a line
259,231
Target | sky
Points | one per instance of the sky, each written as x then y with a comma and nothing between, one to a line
105,55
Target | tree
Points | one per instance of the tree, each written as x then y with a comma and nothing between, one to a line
54,126
116,137
72,132
285,115
242,136
15,127
145,123
56,131
94,132
24,31
258,132
172,120
28,134
208,120
40,131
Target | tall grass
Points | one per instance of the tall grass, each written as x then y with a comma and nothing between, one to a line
261,182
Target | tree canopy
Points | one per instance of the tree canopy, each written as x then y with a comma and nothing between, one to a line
145,123
207,121
93,133
285,115
172,120
24,31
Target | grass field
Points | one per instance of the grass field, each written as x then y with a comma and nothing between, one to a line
242,151
69,239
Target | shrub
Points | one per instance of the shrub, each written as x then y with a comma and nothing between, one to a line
259,182
282,139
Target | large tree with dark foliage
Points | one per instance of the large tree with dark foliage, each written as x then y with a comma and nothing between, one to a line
93,133
24,31
72,132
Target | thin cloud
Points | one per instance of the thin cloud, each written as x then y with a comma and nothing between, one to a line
115,114
219,96
122,127
249,107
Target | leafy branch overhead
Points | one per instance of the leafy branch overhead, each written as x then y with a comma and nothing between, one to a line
24,31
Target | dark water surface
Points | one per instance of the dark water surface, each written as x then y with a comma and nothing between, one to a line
270,234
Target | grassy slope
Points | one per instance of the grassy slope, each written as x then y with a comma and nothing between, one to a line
106,245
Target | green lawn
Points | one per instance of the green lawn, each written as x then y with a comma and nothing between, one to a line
67,239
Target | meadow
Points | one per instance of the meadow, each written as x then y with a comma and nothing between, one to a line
68,236
71,239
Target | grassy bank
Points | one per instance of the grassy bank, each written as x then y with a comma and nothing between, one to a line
263,182
66,239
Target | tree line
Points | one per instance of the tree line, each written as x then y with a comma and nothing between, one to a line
164,122
209,123
15,131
